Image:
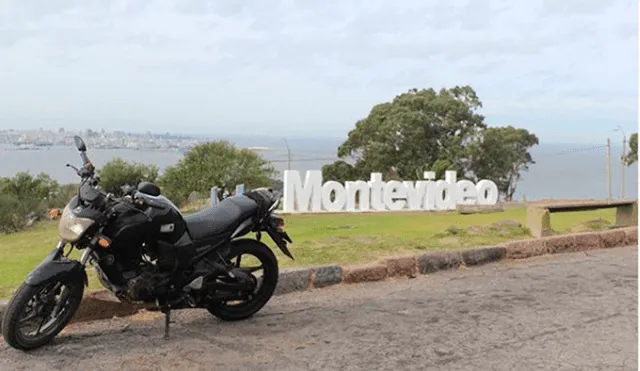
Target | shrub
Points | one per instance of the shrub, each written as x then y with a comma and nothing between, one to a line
117,173
16,214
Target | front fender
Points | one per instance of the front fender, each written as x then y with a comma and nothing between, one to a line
56,266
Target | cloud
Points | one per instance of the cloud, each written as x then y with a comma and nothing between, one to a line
309,66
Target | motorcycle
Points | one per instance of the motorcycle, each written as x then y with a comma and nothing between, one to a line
145,251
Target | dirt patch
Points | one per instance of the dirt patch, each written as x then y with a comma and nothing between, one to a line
333,240
338,227
598,224
450,240
506,226
503,228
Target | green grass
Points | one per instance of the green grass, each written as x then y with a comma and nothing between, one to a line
328,238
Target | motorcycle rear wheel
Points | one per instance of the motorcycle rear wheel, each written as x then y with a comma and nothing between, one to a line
51,317
265,289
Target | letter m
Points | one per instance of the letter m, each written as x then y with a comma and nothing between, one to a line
298,196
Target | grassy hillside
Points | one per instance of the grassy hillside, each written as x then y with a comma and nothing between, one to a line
331,238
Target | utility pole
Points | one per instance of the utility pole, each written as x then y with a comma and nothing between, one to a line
622,161
608,169
295,202
288,153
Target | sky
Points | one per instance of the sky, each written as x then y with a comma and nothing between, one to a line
565,69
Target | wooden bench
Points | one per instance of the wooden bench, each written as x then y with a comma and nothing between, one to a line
539,219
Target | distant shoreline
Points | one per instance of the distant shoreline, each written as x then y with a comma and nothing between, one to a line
117,148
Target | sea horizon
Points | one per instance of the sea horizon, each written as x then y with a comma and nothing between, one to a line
561,170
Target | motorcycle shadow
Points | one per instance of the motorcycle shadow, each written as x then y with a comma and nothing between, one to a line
143,333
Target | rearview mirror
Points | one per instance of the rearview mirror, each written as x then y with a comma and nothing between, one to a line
80,144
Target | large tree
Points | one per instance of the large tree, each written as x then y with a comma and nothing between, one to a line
216,164
424,130
500,154
632,157
415,131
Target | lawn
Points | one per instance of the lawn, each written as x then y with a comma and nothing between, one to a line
330,238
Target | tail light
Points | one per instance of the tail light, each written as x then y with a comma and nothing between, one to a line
278,223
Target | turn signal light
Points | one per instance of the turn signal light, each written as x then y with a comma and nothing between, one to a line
54,213
103,242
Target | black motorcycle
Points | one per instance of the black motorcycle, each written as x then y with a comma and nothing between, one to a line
145,251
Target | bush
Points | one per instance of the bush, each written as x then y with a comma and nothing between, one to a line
24,185
16,214
25,198
215,164
117,173
63,196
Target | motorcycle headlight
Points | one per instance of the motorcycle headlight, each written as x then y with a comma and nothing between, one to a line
71,227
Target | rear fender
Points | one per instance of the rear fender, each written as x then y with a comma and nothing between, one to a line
56,266
280,238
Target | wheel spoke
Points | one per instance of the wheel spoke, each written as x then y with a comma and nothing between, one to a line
253,269
44,318
29,318
60,305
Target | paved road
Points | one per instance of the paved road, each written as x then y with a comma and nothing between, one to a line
566,312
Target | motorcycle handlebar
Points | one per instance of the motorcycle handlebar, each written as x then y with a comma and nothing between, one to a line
85,158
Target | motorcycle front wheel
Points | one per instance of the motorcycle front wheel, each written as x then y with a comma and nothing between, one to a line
37,313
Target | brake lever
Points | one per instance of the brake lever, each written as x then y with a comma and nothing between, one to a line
74,168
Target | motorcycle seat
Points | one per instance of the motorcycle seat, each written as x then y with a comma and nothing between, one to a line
224,217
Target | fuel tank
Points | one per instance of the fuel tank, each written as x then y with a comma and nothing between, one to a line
165,219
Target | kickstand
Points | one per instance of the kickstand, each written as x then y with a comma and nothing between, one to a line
167,321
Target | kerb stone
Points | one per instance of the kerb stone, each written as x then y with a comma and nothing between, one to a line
405,266
365,273
327,275
483,255
293,280
437,261
612,238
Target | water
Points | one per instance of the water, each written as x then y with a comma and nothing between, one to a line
561,170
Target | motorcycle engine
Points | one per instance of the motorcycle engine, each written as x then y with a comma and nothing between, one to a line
140,286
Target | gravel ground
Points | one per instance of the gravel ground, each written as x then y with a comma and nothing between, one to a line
565,312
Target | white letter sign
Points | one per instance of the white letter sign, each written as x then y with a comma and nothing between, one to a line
378,195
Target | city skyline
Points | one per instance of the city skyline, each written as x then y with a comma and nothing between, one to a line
615,136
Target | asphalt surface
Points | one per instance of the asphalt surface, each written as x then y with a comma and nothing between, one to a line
564,312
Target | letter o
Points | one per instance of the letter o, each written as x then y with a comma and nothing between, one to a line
487,192
340,196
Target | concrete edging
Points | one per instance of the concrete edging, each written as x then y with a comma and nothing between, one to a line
102,305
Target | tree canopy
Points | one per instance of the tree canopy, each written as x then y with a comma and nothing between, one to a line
632,157
216,164
339,171
428,130
500,154
405,137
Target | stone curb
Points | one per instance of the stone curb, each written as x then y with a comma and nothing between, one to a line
102,305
